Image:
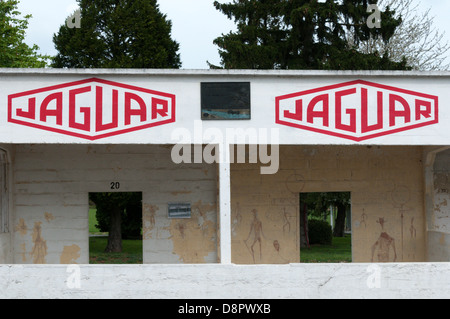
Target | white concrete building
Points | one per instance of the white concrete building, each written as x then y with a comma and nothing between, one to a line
175,136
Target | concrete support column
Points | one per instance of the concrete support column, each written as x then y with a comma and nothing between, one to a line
225,204
438,248
6,256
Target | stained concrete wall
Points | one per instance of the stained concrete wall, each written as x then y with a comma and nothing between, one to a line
6,177
5,248
439,215
386,185
52,183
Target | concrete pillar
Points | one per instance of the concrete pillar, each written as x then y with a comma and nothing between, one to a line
438,238
225,204
5,207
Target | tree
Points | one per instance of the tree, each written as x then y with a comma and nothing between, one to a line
14,52
258,44
341,201
120,214
131,212
317,205
416,39
303,34
117,34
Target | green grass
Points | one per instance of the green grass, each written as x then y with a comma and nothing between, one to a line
339,252
131,252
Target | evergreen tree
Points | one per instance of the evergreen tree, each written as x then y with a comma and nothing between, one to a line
119,214
14,52
303,34
259,42
117,34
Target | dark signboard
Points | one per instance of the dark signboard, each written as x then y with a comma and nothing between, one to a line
179,210
225,100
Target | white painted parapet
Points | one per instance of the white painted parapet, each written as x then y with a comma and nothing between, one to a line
147,106
294,281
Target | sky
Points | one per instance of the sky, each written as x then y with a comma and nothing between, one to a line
195,24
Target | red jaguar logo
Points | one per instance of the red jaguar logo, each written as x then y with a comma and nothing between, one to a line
357,110
91,109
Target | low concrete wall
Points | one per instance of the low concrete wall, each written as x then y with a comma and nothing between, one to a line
294,281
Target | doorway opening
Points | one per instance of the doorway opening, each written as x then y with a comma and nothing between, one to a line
115,228
325,227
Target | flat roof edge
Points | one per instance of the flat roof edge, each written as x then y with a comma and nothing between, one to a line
218,72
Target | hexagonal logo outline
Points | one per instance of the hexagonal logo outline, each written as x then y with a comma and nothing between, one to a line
431,101
168,100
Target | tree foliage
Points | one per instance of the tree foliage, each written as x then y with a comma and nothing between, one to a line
130,205
14,52
117,34
319,232
303,34
317,204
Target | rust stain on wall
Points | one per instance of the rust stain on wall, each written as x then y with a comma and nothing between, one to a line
39,251
195,238
23,248
442,240
70,254
203,208
48,217
255,235
21,227
237,220
262,246
148,220
384,244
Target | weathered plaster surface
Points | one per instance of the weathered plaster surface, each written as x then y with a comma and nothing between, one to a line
438,215
295,281
386,185
70,255
52,183
441,192
5,248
